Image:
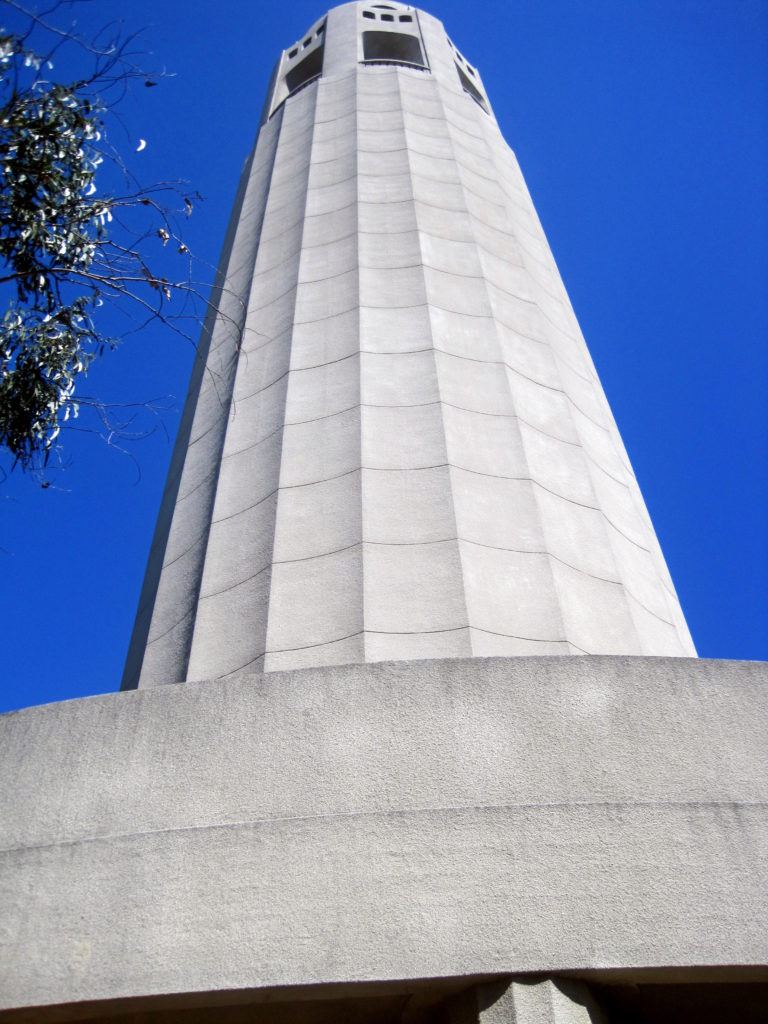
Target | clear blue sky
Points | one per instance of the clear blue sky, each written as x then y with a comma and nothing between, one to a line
642,130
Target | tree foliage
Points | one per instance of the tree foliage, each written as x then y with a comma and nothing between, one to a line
61,258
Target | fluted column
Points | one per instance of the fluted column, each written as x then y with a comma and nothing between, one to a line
397,446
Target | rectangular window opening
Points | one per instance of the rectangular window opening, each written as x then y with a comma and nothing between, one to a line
369,14
392,47
470,88
307,69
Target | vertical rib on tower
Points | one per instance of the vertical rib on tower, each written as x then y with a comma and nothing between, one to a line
395,444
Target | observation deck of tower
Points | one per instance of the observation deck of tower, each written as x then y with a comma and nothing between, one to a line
396,446
440,751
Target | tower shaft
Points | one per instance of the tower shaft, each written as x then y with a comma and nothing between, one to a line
395,444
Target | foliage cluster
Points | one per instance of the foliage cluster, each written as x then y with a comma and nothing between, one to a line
50,225
61,258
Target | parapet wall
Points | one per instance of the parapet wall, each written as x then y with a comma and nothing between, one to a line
386,821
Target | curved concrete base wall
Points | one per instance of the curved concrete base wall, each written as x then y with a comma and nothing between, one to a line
385,821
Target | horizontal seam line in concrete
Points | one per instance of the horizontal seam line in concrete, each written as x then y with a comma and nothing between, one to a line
334,241
186,551
418,152
418,469
461,312
213,522
332,316
559,299
412,231
413,544
240,583
410,173
424,305
419,351
426,543
207,430
407,175
435,270
201,483
252,310
186,615
410,469
449,405
406,112
242,511
522,237
392,813
283,335
403,107
253,394
527,639
636,599
261,440
294,369
469,213
532,380
292,257
462,469
414,176
391,632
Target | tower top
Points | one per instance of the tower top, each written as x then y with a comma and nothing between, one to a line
357,35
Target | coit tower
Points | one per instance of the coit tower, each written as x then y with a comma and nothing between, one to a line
395,444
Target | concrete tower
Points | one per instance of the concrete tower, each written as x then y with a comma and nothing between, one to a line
396,445
443,751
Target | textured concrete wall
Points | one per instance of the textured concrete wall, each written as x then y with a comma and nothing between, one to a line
417,459
388,821
166,616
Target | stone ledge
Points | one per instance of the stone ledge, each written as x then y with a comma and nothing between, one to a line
385,821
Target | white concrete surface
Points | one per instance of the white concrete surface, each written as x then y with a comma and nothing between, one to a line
429,819
410,455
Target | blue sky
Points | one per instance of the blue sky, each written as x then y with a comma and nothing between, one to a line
642,131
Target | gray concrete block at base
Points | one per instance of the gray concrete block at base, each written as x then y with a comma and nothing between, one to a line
385,821
539,1002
